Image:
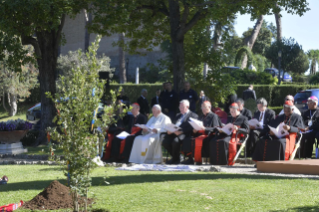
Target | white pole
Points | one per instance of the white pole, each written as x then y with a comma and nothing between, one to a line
137,75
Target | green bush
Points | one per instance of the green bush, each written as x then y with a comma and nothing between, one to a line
253,77
30,138
314,79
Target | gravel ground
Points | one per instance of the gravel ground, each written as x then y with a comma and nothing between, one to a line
238,168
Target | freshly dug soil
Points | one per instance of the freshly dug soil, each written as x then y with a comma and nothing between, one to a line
55,196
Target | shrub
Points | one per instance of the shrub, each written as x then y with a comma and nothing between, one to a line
253,77
314,79
30,138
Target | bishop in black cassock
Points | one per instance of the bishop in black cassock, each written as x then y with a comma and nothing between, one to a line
194,147
311,122
117,146
223,147
270,147
243,111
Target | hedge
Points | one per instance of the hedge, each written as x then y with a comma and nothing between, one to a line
274,94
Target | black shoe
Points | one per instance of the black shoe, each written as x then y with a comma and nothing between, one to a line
255,166
189,161
198,163
171,162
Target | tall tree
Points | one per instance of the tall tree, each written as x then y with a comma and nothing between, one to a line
250,41
148,23
278,23
87,19
40,24
294,59
313,55
122,68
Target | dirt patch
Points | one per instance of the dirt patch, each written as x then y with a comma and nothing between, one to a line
55,196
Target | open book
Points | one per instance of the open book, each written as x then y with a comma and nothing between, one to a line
227,129
144,127
255,123
171,127
196,124
279,131
123,135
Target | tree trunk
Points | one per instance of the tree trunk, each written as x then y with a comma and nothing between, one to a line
13,104
178,64
4,102
88,20
278,25
250,41
122,69
177,46
48,44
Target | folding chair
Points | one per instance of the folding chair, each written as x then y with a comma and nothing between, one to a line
297,146
242,144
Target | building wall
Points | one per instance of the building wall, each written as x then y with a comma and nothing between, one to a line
74,32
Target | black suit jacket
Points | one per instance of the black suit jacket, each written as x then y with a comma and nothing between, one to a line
249,94
154,102
247,113
186,128
268,117
144,106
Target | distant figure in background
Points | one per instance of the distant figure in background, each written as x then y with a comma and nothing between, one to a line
190,95
249,93
142,101
230,100
202,98
245,112
169,101
123,98
164,90
156,100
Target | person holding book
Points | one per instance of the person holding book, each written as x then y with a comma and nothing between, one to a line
311,121
115,147
263,116
173,140
223,146
273,146
147,147
193,147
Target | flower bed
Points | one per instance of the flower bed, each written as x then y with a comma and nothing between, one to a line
13,130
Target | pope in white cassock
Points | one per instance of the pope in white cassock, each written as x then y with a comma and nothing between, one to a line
147,148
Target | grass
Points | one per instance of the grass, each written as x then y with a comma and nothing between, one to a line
41,150
167,191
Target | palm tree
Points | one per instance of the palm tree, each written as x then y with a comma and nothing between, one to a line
313,55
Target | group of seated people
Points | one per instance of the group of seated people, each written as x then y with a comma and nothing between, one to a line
146,138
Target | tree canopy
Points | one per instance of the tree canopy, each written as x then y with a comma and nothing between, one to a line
148,23
293,57
40,24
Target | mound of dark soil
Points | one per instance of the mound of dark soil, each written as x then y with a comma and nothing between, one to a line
55,196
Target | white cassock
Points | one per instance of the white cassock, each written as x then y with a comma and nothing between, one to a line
147,148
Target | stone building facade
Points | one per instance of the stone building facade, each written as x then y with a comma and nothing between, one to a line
74,32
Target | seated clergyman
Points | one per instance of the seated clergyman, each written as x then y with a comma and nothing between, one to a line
173,140
272,147
264,116
223,147
147,147
118,149
202,137
311,121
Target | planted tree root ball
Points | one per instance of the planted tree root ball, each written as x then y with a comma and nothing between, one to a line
55,196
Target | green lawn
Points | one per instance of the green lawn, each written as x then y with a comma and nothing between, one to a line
21,114
41,150
166,191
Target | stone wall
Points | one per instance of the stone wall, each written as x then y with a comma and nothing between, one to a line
74,32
